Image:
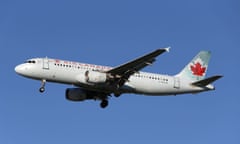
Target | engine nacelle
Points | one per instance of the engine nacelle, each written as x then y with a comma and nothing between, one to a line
76,94
95,77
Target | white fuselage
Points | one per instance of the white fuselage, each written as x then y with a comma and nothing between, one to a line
67,72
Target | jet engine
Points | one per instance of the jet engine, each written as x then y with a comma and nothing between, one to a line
95,77
77,94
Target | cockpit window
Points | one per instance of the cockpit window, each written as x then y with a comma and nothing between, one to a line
31,61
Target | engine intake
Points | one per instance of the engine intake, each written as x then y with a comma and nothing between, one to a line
76,94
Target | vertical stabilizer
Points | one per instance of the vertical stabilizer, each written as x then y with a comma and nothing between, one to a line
197,68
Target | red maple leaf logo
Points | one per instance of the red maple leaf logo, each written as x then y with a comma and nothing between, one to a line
197,69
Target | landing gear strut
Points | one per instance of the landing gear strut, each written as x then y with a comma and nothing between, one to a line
42,88
104,104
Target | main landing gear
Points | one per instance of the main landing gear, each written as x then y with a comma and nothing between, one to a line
104,103
42,88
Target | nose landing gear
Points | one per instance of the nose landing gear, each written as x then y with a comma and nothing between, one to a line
42,88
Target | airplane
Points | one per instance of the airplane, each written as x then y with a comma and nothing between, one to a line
97,82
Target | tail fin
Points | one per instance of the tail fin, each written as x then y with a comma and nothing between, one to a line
197,68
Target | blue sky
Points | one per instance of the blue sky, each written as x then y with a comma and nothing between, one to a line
111,33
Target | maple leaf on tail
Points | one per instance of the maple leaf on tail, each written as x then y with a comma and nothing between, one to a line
197,69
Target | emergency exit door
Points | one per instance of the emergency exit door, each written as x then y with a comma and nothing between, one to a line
176,82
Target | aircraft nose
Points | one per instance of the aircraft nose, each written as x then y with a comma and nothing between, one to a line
19,69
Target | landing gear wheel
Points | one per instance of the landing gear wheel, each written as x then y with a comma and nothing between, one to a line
42,89
104,103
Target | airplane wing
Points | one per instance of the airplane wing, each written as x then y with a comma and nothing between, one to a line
124,71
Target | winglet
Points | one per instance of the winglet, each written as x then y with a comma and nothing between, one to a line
167,49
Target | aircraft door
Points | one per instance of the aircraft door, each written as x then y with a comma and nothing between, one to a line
45,63
176,83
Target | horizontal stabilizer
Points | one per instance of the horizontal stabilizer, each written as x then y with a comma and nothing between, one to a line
206,81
